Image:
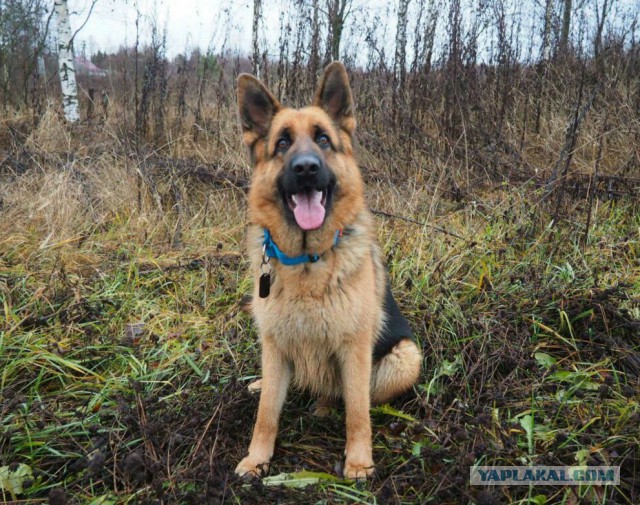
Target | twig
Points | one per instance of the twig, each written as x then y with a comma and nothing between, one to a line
594,182
413,221
570,138
176,241
194,453
93,4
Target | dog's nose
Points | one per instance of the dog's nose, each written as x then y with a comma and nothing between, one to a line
305,165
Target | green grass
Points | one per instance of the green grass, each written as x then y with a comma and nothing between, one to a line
124,363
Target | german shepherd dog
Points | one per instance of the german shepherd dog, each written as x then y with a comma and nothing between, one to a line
322,301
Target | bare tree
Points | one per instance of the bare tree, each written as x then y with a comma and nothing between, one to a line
426,53
66,69
400,62
601,16
23,32
283,53
546,30
257,15
546,56
154,85
566,26
294,88
314,56
337,13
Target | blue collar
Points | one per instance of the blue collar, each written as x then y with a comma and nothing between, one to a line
271,250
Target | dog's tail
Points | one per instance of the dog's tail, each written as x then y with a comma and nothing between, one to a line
396,372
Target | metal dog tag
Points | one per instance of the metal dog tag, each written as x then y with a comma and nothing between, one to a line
264,287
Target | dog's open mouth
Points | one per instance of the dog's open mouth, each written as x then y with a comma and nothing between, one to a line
308,207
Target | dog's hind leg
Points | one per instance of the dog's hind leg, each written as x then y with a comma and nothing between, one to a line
322,406
255,386
396,371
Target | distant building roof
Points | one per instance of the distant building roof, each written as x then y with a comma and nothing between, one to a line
85,67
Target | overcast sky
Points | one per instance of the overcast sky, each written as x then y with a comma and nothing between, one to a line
189,23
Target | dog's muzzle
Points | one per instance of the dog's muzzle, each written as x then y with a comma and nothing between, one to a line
306,185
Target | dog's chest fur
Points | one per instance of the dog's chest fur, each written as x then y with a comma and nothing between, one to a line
314,311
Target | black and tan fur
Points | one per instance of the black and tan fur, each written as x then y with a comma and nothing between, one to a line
332,327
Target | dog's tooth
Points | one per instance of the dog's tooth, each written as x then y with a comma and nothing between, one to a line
295,199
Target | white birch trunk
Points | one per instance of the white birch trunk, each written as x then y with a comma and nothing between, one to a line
42,69
66,70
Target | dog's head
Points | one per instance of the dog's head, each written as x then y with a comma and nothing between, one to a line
305,177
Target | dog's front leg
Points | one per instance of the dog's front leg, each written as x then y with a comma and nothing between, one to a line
276,374
356,376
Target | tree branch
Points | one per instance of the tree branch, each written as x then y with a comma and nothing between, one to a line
408,220
93,4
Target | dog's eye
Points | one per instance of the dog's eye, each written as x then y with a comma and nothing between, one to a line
323,140
283,144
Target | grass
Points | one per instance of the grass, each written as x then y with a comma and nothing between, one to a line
125,352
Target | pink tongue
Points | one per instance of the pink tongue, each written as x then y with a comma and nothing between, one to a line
309,212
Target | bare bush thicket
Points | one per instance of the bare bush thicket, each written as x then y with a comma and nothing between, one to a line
469,93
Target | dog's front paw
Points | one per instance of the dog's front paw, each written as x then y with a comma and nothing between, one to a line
358,468
252,467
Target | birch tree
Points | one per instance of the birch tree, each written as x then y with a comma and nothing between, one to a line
66,69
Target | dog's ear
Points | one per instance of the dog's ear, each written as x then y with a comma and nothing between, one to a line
257,107
334,96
